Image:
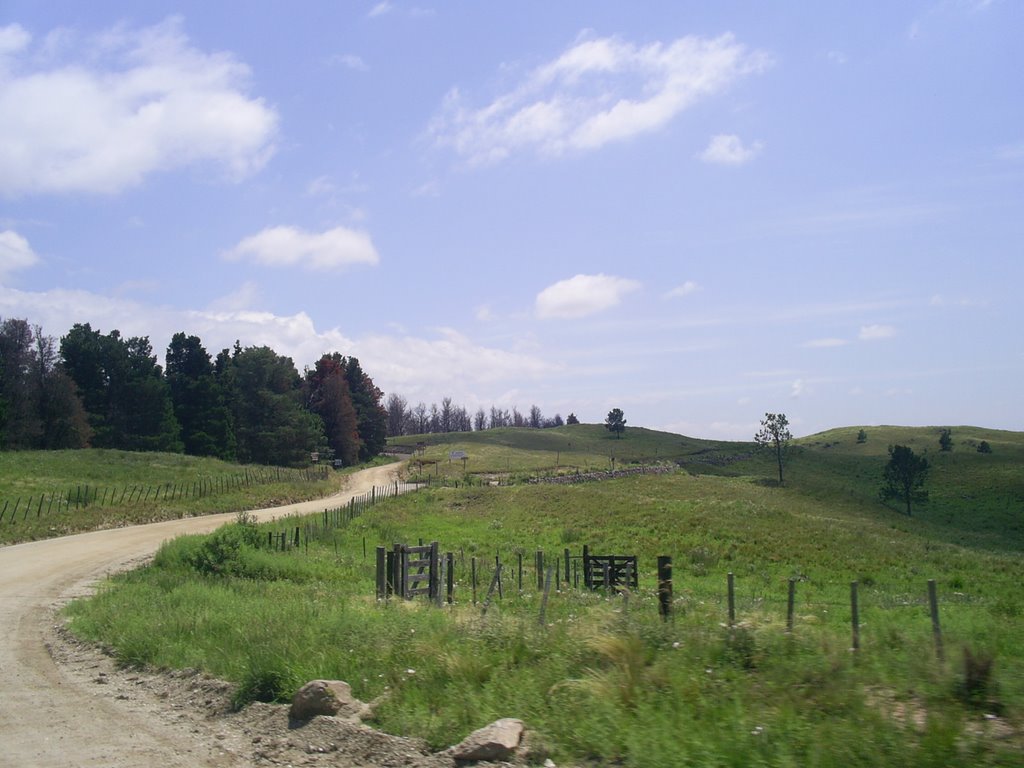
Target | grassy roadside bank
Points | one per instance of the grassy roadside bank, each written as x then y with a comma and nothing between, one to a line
54,493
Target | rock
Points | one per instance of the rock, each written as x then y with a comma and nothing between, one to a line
327,697
497,741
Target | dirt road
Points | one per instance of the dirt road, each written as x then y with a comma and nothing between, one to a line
55,714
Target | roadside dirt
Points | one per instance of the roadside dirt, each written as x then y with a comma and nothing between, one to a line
64,703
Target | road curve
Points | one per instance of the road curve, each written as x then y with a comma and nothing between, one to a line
48,718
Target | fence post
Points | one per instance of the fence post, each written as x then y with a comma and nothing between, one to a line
854,616
790,602
540,569
665,586
933,604
568,577
586,567
435,575
732,599
472,562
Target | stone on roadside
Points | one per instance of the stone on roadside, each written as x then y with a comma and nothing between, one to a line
494,742
327,697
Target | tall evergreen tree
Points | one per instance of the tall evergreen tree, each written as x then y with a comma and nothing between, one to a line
123,390
265,396
198,399
371,416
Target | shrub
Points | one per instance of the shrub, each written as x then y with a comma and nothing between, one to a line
984,447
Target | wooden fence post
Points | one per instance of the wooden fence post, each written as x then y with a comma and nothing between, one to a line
665,586
933,604
568,577
435,574
472,563
539,567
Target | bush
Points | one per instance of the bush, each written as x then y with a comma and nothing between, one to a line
984,447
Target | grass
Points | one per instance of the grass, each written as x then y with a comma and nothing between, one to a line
606,680
39,484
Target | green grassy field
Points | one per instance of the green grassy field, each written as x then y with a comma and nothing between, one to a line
53,493
606,680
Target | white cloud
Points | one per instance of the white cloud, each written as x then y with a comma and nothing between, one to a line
287,246
583,295
598,91
824,343
687,288
380,9
15,252
247,295
100,115
876,332
321,186
349,60
798,388
727,149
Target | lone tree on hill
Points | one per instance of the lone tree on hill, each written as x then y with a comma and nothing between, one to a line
615,422
862,436
904,476
572,419
946,439
775,435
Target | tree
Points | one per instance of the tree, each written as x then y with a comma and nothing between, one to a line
198,399
615,423
536,417
984,447
904,476
328,396
398,414
266,398
774,435
862,436
946,439
123,390
571,419
371,416
479,419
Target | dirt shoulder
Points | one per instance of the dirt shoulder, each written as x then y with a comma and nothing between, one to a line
66,704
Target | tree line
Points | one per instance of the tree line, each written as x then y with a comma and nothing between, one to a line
403,419
247,404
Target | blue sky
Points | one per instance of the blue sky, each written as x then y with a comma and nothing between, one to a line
695,212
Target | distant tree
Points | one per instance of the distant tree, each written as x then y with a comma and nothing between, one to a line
946,439
20,425
615,422
536,417
398,414
984,447
774,435
419,419
904,476
479,419
571,419
556,421
517,418
447,416
862,436
434,425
